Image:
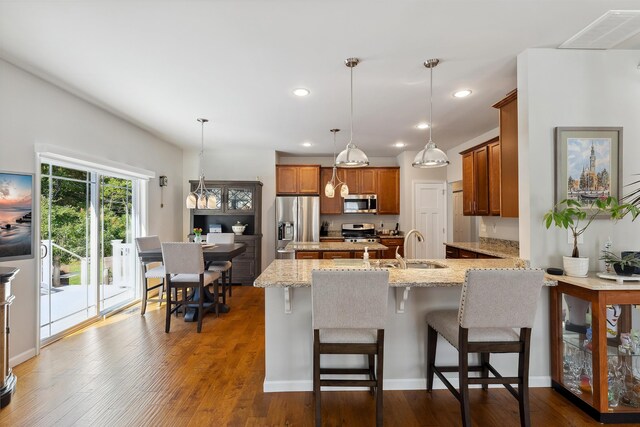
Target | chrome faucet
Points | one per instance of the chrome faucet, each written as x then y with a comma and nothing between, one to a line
402,262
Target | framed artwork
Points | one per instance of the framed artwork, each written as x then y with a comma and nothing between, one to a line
16,209
588,163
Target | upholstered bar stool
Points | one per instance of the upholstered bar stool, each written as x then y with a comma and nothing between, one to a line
149,271
493,303
184,268
349,309
223,267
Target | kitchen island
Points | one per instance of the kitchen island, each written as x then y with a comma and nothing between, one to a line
413,293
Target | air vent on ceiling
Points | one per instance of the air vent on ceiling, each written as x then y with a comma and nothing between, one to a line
606,32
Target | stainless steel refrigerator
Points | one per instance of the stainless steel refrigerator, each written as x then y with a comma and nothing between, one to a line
297,220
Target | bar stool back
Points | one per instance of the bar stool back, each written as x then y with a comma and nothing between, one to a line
349,309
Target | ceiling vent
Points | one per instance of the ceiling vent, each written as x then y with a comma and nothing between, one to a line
606,32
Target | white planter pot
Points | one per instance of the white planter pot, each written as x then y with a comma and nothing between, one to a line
575,267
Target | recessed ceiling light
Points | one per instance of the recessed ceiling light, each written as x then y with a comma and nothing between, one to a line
399,144
301,91
307,144
422,125
462,93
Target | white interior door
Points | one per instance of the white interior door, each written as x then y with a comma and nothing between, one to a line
430,218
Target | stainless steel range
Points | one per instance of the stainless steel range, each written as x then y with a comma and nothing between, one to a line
359,233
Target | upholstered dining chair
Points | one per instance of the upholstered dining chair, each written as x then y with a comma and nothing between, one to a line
349,311
184,269
150,271
223,267
493,303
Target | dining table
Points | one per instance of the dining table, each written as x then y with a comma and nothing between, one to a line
211,253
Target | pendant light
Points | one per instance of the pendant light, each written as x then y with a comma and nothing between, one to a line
431,156
351,156
201,198
330,188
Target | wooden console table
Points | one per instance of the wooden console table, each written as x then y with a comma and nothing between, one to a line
568,340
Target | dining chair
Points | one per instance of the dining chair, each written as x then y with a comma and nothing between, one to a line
492,304
150,271
349,311
223,267
184,269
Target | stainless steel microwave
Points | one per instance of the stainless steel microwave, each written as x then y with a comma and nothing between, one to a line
360,203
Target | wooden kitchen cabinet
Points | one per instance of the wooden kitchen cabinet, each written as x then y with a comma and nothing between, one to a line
476,174
494,178
297,179
360,254
388,191
508,154
468,184
330,206
368,180
465,254
336,255
308,255
392,244
451,252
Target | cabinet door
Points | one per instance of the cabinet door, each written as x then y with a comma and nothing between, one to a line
452,253
360,254
467,254
352,178
392,244
329,206
286,179
509,154
239,200
388,191
494,178
336,255
308,179
468,184
481,169
368,181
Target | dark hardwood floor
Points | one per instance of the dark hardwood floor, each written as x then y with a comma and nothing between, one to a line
127,371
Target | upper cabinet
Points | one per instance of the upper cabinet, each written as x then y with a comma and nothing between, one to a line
490,170
297,179
383,181
509,154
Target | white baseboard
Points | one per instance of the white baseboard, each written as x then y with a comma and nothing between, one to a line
22,357
389,384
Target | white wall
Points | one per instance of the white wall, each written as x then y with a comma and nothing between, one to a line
573,88
238,165
34,111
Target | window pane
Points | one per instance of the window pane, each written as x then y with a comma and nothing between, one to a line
69,173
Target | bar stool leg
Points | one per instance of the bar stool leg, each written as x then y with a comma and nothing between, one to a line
484,362
432,343
379,379
523,374
168,314
316,377
463,377
372,372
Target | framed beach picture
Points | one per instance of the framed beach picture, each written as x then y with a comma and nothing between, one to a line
588,163
16,210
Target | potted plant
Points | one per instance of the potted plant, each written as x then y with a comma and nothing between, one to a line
623,265
577,216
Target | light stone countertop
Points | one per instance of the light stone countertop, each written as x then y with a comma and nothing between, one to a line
334,246
594,283
297,273
493,248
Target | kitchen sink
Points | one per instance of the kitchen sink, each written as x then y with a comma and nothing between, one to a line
413,264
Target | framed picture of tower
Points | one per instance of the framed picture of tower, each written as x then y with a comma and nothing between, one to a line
588,163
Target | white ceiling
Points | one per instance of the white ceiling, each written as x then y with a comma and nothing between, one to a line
162,64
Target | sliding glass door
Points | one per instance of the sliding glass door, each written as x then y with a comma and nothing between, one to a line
88,226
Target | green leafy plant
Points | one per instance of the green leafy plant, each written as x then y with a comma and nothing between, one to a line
628,260
577,216
633,199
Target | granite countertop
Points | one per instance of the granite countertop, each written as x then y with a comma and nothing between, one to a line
334,246
495,247
594,283
297,273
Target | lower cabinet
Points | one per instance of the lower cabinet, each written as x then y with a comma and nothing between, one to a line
392,244
308,255
360,254
455,253
246,266
336,254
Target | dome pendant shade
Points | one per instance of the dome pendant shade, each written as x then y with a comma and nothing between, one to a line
431,156
352,157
